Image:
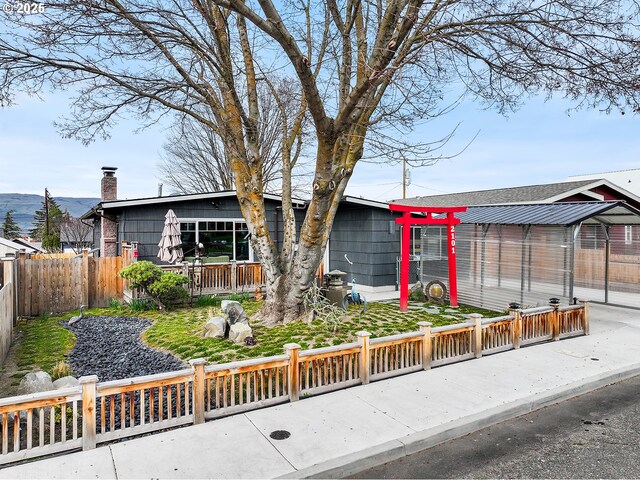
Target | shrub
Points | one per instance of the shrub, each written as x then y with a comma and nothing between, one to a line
238,297
114,303
168,288
208,301
141,274
141,305
60,369
417,295
162,287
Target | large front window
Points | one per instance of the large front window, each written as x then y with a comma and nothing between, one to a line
228,238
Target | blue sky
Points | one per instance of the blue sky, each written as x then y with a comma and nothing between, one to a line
540,143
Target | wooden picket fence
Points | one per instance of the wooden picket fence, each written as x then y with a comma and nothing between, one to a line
94,413
62,284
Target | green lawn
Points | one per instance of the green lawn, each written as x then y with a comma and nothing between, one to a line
180,331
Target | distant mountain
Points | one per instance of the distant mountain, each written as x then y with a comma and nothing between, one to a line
25,205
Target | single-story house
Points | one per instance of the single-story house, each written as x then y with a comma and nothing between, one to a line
364,230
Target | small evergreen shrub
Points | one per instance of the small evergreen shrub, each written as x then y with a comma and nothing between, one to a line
162,287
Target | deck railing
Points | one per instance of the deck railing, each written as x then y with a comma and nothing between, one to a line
216,278
93,413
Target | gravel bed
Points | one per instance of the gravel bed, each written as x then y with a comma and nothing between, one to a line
110,347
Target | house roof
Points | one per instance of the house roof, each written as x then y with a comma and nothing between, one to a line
546,193
205,196
185,198
566,214
16,246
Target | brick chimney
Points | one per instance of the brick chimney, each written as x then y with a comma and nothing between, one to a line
108,226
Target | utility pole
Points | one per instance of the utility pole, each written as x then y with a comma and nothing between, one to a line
404,178
46,212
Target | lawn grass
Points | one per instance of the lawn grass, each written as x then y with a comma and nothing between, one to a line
44,342
180,331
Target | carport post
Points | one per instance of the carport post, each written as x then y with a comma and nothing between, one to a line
572,258
607,252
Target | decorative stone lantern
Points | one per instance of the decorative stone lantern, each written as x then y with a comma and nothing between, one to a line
336,291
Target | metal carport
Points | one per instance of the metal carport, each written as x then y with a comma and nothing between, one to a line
529,253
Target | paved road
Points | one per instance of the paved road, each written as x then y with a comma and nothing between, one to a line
596,435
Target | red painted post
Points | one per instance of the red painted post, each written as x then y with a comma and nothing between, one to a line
404,262
406,221
451,243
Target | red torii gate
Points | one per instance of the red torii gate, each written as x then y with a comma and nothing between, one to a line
406,221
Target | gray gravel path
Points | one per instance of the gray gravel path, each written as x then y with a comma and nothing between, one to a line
110,347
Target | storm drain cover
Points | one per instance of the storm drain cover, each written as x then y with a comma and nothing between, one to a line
279,434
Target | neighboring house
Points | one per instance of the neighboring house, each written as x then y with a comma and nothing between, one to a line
13,247
627,179
364,230
75,236
576,191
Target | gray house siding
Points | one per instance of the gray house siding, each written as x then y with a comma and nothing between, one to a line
144,223
363,233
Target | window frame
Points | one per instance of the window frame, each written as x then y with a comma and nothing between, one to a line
234,230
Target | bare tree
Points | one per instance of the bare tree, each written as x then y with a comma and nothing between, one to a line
194,158
362,66
76,233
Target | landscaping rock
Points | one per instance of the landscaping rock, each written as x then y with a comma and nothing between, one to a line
234,311
110,348
215,327
36,382
66,382
238,332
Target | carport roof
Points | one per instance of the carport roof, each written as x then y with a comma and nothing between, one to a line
607,213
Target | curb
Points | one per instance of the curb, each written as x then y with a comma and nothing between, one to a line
371,457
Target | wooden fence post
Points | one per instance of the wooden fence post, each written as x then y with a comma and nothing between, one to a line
517,327
85,278
21,286
477,334
585,316
89,393
8,277
426,344
198,389
365,356
293,371
234,276
554,303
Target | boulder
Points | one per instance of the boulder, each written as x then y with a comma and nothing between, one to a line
36,382
238,332
66,382
215,327
234,312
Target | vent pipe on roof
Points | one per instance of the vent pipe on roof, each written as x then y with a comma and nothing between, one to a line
160,189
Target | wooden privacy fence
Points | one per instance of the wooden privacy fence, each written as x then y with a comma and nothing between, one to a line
93,413
60,284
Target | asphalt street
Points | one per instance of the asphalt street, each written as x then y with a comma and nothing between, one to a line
596,435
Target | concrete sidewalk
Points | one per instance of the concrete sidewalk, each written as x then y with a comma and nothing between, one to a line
340,433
